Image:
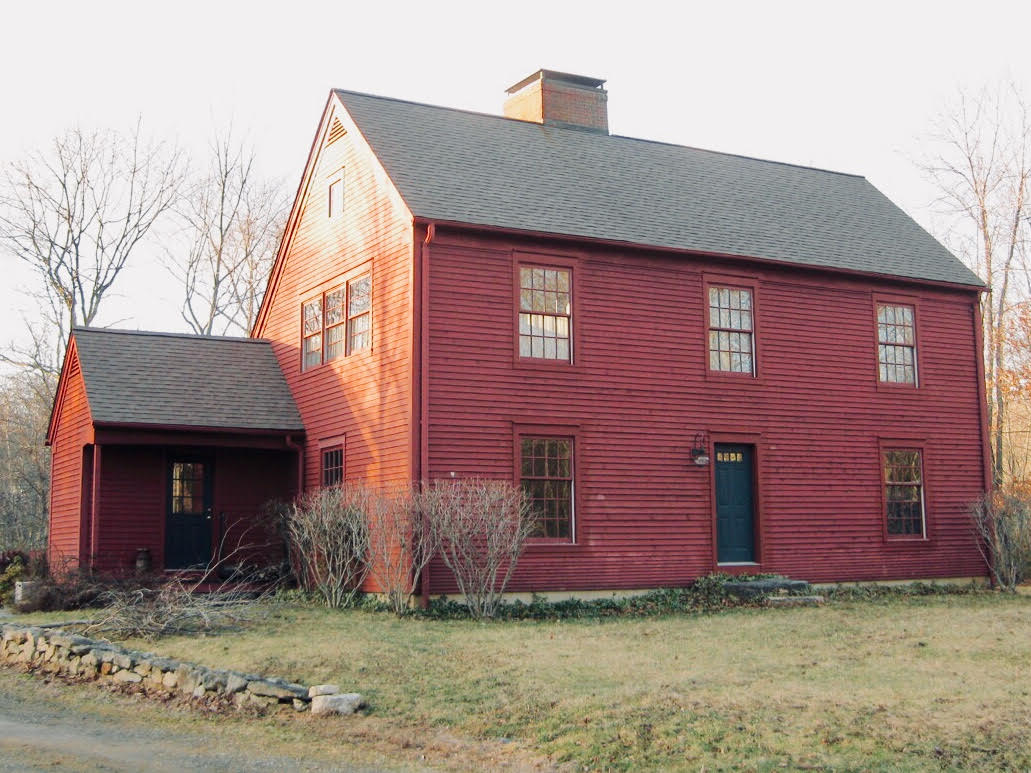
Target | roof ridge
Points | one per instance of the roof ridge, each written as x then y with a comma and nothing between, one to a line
167,334
601,135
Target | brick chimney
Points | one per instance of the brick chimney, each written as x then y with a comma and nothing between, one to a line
560,99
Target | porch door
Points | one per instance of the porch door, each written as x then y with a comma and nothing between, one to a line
735,504
189,524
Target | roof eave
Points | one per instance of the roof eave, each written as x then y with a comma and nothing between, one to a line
594,240
196,428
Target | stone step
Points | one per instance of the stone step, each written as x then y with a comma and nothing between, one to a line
749,589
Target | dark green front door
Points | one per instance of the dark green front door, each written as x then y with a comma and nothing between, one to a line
735,504
188,527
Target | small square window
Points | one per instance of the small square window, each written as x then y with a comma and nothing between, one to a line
333,466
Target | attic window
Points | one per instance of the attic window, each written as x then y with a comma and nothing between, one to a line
335,196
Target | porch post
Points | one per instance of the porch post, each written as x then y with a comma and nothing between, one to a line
95,508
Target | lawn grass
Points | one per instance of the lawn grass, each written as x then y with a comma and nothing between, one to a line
903,684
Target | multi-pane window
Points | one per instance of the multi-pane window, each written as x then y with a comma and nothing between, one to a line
337,323
546,475
333,466
359,313
731,339
896,344
187,488
903,492
312,321
545,313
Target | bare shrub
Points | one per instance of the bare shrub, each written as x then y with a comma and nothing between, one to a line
481,527
327,531
1002,522
401,543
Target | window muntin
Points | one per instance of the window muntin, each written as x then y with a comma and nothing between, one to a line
359,313
545,313
311,312
187,488
731,330
338,323
896,344
903,492
333,466
546,475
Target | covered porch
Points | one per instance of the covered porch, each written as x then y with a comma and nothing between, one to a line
182,501
166,450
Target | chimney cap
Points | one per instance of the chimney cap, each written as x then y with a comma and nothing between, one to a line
566,77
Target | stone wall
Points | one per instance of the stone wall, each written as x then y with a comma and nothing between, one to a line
51,650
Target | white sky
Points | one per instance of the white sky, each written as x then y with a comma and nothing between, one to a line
844,86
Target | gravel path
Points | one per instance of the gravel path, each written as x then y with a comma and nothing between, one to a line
38,731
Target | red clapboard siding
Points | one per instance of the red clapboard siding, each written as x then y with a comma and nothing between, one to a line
366,397
71,433
133,487
134,501
639,393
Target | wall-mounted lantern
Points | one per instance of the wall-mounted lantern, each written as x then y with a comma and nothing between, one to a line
699,450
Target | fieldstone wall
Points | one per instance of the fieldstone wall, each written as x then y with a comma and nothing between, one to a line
51,650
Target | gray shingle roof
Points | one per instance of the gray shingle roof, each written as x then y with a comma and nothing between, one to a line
167,379
467,167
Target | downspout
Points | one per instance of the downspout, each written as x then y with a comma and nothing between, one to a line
982,404
423,289
298,449
982,395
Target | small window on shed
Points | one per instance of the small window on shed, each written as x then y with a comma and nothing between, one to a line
333,466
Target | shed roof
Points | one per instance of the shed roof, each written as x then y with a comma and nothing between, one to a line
175,380
464,167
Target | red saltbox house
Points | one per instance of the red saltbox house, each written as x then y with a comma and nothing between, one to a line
692,360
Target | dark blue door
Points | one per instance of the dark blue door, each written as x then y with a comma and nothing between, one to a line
188,528
735,504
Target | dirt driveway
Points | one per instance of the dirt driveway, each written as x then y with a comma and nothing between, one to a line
55,726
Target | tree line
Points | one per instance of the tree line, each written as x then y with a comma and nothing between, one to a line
77,213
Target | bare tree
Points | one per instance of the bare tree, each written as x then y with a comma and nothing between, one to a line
401,543
981,165
24,462
481,527
233,220
74,214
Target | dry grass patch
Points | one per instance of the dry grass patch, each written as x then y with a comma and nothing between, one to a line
906,684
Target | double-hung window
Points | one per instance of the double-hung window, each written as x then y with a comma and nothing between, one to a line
731,330
338,322
546,475
896,344
903,492
545,313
